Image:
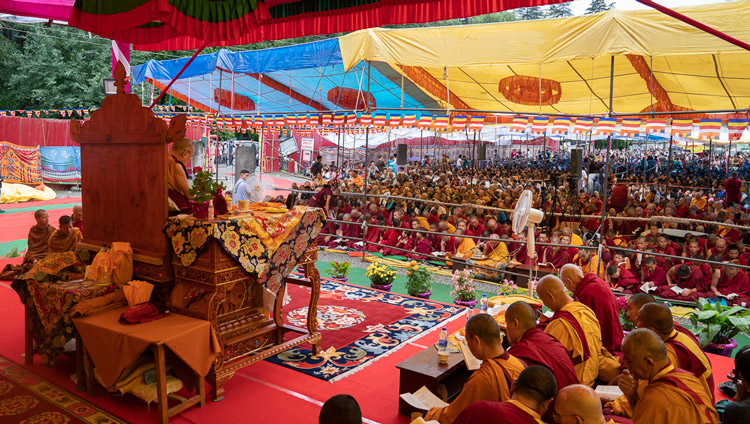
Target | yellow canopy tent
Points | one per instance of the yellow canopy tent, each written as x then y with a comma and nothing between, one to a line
563,65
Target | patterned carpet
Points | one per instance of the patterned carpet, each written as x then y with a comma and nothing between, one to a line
359,325
26,398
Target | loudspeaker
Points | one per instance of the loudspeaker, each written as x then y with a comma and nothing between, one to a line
401,158
482,152
576,162
244,159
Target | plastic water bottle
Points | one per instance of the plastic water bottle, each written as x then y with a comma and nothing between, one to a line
211,210
443,342
483,304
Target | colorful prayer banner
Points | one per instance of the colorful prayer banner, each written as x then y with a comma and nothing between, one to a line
682,127
630,127
736,127
519,124
425,122
560,126
476,123
656,126
710,129
539,125
583,125
459,122
606,126
442,122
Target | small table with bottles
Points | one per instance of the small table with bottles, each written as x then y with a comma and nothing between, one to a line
424,369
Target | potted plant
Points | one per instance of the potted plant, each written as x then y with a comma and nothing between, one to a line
339,270
419,280
719,326
622,305
381,276
463,288
203,191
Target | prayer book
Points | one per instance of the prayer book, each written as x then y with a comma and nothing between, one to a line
677,289
612,392
423,399
472,363
648,287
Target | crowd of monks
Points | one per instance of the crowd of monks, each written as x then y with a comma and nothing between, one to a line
548,372
381,225
44,238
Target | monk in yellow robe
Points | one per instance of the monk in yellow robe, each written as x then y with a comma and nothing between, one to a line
672,395
494,378
683,352
496,254
65,238
575,326
465,249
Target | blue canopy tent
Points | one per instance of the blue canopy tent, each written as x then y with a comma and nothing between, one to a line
303,78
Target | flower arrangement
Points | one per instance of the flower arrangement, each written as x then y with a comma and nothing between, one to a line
338,269
463,287
381,274
622,305
419,279
204,187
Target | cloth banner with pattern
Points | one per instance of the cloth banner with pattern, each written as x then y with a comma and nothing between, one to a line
20,164
267,245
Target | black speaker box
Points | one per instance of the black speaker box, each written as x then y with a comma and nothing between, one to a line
401,158
576,162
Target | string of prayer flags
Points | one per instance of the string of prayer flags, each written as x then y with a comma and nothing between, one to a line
606,126
519,124
682,127
560,126
630,127
736,127
583,125
539,125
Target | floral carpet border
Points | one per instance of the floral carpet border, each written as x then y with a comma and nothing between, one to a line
381,339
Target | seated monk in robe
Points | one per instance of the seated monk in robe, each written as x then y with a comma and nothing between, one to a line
653,275
690,279
579,404
77,217
556,255
496,253
672,395
423,247
733,283
636,301
374,234
535,347
593,292
589,262
389,237
465,249
65,238
327,234
575,326
494,378
37,246
178,188
339,242
622,280
531,398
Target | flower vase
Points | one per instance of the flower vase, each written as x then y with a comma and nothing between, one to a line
200,210
425,295
467,303
721,349
386,287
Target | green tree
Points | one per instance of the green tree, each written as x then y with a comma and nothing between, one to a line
598,6
561,10
530,13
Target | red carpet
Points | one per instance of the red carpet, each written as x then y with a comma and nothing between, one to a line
28,398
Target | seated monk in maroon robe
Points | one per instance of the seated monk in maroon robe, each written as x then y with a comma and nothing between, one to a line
403,241
535,347
423,247
37,246
622,280
690,279
374,234
327,234
77,217
734,284
448,244
388,237
556,255
533,392
653,275
593,292
341,242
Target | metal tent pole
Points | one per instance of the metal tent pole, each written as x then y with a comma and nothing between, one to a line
608,164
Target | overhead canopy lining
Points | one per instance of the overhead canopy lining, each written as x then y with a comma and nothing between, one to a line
551,66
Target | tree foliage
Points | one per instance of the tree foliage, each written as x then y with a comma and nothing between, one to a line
561,10
530,13
597,6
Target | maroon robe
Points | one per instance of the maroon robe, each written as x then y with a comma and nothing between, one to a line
658,277
695,280
494,413
627,281
450,246
539,348
330,229
423,247
560,258
740,284
477,231
593,292
373,236
390,238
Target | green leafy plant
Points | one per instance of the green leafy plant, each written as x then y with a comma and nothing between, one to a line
419,279
12,254
338,269
719,323
462,285
204,187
